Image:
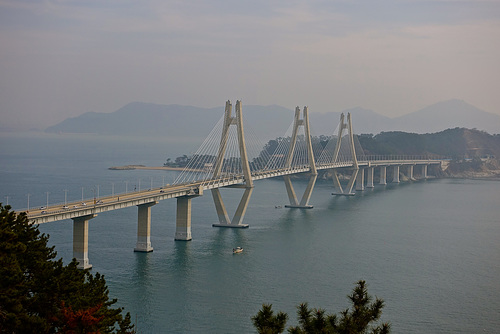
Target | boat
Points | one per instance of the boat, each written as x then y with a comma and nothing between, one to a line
237,250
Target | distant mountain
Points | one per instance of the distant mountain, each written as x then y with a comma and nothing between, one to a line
139,118
437,117
148,119
445,115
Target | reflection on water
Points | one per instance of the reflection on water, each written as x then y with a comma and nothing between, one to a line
181,257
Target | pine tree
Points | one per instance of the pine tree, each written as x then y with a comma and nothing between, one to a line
358,320
39,294
267,323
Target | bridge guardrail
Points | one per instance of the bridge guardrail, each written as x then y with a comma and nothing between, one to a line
55,208
398,157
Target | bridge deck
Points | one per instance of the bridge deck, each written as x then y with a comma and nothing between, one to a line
120,201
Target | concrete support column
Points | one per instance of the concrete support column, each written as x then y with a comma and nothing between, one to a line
144,228
360,180
304,202
395,178
424,171
81,241
369,176
292,197
383,174
183,219
220,207
240,210
350,185
410,172
336,183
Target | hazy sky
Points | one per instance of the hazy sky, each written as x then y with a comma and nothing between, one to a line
61,58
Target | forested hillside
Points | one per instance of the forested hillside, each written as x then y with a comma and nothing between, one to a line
454,143
472,153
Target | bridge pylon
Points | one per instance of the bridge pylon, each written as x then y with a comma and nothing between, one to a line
304,202
222,214
345,126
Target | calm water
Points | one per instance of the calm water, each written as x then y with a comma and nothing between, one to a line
430,249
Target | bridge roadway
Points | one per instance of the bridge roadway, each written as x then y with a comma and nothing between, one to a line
119,201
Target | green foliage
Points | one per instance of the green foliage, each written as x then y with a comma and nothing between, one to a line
357,320
401,143
452,142
363,312
455,143
312,321
471,165
181,161
38,294
267,323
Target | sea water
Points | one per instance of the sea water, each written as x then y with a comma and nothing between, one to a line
430,249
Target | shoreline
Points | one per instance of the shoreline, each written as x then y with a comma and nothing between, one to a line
493,174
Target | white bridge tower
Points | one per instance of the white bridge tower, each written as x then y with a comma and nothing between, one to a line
336,182
304,202
229,120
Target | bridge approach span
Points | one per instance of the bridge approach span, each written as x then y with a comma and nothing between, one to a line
109,203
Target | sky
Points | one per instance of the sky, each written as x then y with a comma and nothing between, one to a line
62,58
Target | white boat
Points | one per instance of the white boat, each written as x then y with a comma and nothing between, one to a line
237,250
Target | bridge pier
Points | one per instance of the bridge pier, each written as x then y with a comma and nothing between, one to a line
183,218
336,184
369,175
240,210
348,190
144,228
410,172
383,175
395,177
304,202
424,171
81,241
360,180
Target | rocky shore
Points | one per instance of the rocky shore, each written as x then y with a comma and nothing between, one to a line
490,174
473,169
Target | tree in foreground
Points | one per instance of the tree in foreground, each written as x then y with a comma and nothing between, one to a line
357,320
267,323
39,294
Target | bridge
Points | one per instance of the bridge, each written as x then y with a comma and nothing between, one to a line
223,161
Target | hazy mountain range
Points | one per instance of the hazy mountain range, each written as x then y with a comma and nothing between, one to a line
148,119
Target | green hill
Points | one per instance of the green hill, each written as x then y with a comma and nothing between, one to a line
454,143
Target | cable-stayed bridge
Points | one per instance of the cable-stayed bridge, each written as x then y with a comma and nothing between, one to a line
228,158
